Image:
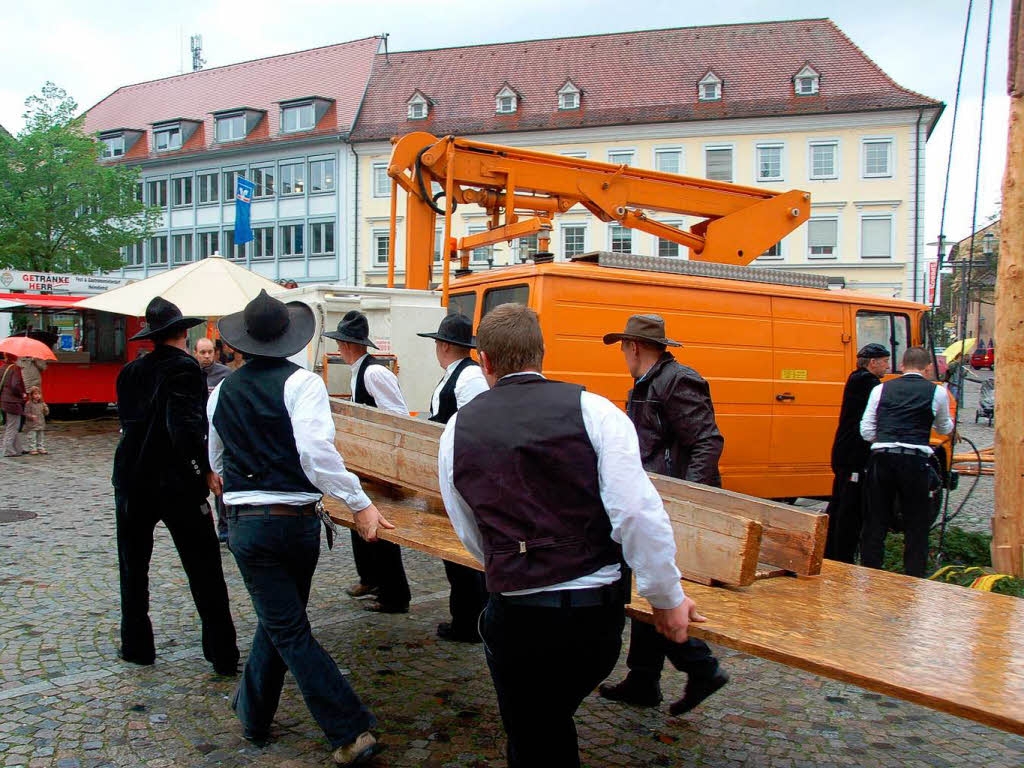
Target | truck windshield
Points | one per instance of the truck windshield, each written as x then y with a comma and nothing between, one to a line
889,329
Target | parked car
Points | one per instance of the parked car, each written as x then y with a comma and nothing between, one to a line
984,357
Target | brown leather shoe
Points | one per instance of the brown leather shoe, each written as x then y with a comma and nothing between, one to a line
360,750
360,590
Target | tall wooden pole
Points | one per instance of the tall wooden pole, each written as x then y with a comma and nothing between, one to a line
1008,520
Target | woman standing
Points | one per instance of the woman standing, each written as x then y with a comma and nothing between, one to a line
12,402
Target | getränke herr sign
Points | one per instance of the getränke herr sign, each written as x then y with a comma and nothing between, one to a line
48,282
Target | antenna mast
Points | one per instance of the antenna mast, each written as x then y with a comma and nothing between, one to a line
196,42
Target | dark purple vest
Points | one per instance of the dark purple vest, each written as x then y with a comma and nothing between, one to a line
526,467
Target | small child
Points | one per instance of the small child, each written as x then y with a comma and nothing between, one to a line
36,412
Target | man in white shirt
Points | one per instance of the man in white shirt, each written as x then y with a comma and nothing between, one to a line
462,381
544,485
271,446
898,421
379,564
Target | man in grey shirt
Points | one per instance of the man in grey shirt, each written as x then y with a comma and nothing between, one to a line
213,372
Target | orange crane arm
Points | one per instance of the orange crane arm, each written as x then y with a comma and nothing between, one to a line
737,223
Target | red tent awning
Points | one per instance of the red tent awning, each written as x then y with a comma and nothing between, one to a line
47,301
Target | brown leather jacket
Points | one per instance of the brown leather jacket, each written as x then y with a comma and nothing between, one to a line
671,408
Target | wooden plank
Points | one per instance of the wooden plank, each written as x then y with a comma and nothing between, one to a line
792,539
714,546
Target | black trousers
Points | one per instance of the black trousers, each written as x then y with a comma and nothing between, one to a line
648,650
905,477
191,528
845,514
544,662
379,564
468,597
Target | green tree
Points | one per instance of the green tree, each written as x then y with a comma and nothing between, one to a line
61,210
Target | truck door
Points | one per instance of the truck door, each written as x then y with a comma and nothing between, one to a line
809,355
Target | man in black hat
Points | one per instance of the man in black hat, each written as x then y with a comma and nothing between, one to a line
850,454
272,441
379,564
670,406
462,381
162,473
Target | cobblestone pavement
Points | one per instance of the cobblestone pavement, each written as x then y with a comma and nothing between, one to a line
67,701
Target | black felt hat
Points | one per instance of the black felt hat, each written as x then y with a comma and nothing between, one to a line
268,327
455,329
873,351
353,328
162,318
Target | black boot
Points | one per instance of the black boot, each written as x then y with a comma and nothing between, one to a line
633,691
698,689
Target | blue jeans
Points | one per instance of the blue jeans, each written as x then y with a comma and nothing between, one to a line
277,557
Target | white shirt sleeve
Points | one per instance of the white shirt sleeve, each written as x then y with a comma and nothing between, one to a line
868,422
214,445
940,407
639,521
470,384
458,510
383,387
305,397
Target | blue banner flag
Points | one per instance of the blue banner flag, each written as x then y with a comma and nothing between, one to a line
244,190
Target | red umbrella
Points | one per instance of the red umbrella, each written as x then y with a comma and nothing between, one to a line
22,346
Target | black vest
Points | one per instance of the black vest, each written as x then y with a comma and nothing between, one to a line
254,425
361,396
525,465
905,411
447,404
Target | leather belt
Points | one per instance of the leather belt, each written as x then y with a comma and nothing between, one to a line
610,594
273,510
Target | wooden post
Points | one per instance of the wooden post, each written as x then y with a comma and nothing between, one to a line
1008,519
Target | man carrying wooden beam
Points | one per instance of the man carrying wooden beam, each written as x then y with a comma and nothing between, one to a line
670,406
544,485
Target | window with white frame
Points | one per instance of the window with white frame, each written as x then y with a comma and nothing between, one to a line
381,181
824,160
709,88
480,255
208,187
293,178
877,158
774,253
769,162
805,82
140,192
158,250
209,244
620,156
506,101
823,237
292,240
574,240
526,247
418,107
167,139
230,182
669,248
381,244
621,239
156,193
569,97
299,117
321,238
578,154
230,128
182,245
113,146
668,160
718,163
263,178
232,251
876,237
263,242
132,255
321,175
438,239
182,190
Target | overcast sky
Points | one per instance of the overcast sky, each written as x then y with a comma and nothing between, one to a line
90,49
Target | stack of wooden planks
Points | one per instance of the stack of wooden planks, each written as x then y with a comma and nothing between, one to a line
982,463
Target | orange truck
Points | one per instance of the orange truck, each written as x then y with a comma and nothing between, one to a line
776,347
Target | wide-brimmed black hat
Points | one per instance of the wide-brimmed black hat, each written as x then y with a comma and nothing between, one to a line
455,329
268,327
163,317
643,328
353,328
873,351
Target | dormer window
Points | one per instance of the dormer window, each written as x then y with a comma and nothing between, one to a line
297,118
710,87
805,82
117,141
418,106
569,96
231,127
167,139
506,101
113,146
